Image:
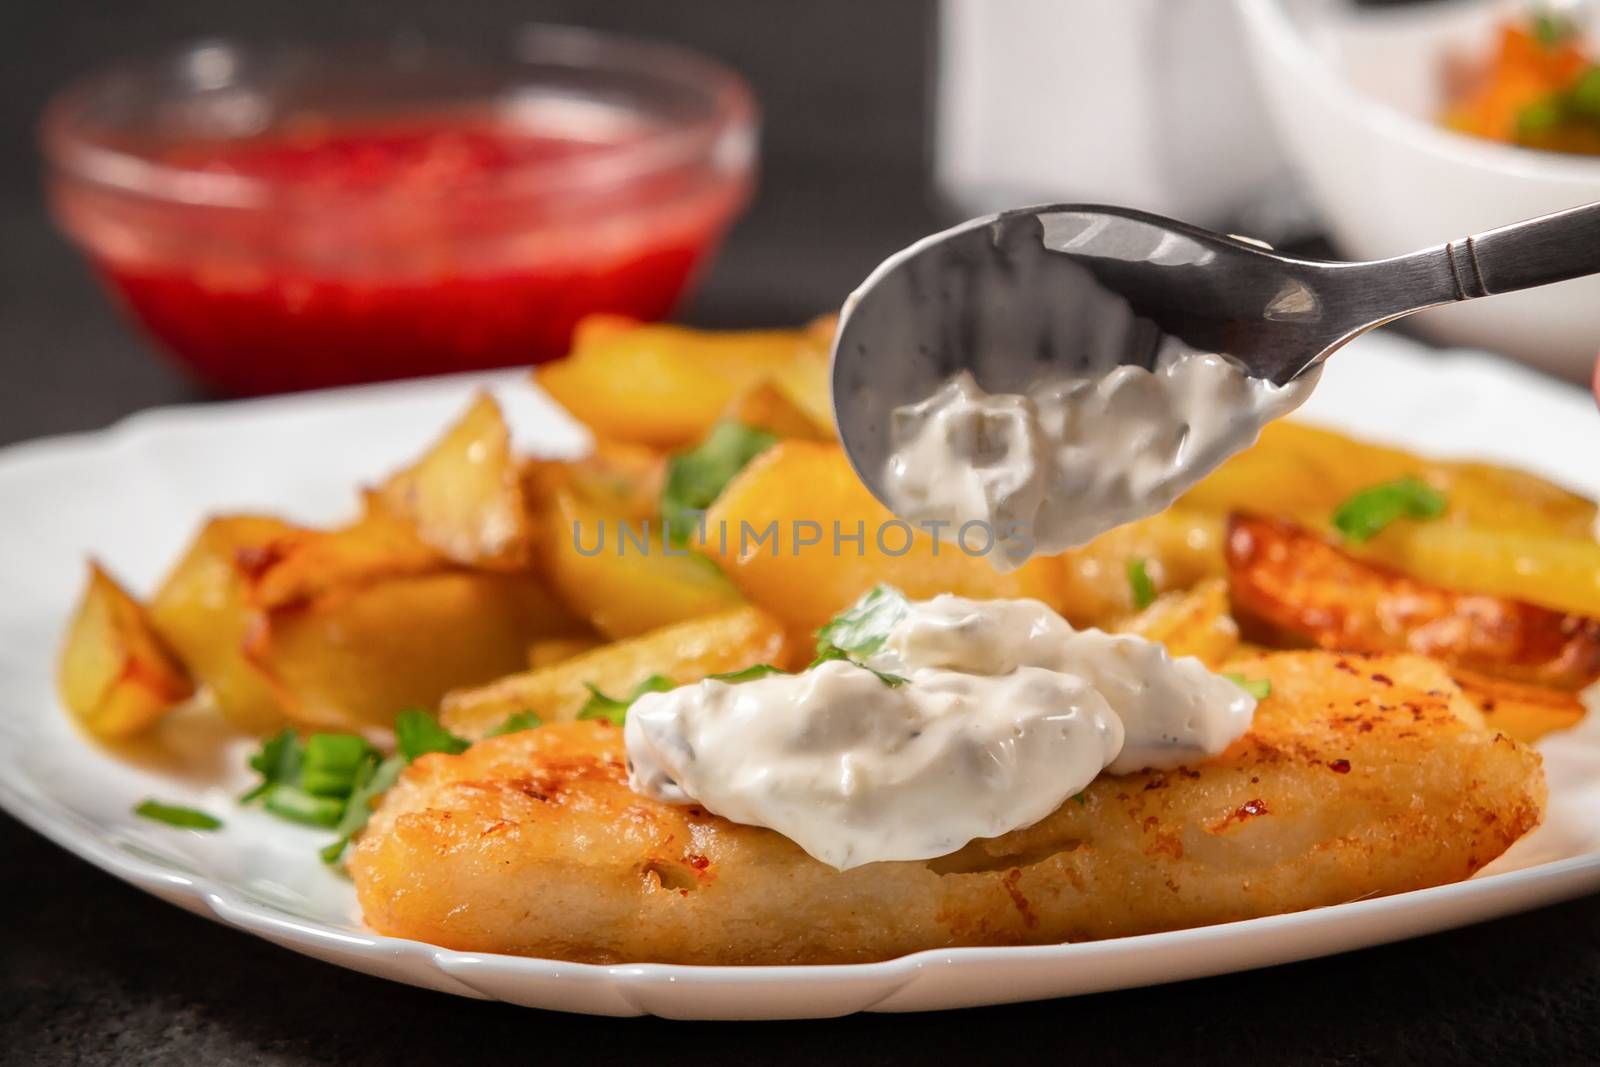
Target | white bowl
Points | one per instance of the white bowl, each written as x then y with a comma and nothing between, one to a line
1353,95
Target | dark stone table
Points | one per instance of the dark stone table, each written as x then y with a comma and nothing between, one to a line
94,972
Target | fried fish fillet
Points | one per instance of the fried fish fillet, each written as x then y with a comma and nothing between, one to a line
1361,776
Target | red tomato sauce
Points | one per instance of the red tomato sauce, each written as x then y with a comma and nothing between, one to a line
401,250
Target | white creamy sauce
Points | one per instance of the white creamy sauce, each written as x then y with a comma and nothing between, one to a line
1072,458
1007,712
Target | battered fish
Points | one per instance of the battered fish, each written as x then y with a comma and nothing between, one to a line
1361,776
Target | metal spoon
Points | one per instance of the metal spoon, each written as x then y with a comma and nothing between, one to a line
1074,290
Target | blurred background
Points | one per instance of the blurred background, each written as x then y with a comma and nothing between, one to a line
268,220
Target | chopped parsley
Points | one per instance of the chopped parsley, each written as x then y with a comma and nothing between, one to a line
601,706
417,733
177,815
697,477
1140,585
1368,512
1260,688
748,674
863,627
515,724
833,652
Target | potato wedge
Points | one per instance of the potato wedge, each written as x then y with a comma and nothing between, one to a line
1286,579
619,574
115,674
1554,570
615,477
465,496
684,652
1195,623
549,651
665,385
1178,547
808,381
1522,712
1304,472
764,406
201,612
354,658
760,526
301,564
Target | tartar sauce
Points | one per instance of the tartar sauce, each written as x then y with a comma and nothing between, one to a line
1006,712
1072,458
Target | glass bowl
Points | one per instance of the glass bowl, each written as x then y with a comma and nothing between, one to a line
286,218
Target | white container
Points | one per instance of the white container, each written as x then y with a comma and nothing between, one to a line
1354,95
1144,103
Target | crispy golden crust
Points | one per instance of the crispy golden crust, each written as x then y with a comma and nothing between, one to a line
1285,578
1361,776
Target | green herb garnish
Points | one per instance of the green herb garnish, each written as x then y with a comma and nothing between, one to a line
748,674
600,706
1139,583
1369,511
331,763
1584,96
177,815
1551,28
277,761
515,724
417,733
833,652
1540,117
1260,688
331,780
298,805
697,477
307,781
372,782
863,627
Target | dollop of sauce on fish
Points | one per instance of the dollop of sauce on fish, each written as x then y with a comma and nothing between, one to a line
973,718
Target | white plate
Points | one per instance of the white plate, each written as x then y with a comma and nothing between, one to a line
133,494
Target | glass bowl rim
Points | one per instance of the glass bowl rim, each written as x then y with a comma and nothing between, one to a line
724,134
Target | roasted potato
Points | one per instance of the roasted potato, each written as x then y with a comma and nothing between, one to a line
1178,547
201,612
1505,532
1284,578
685,652
115,674
464,497
1522,712
1304,473
1554,570
666,385
353,659
800,489
549,651
766,407
614,478
621,575
299,564
808,381
1195,623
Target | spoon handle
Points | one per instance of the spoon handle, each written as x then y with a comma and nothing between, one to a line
1550,248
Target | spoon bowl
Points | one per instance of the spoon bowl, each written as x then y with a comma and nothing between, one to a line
1073,291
